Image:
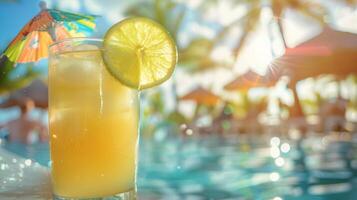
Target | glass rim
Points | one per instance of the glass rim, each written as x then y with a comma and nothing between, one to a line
74,39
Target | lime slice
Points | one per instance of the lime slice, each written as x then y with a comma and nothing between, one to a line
139,53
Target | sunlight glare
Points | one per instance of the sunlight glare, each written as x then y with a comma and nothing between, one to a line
274,141
221,53
274,176
274,152
224,12
279,161
285,148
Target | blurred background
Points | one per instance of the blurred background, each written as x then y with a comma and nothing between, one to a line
262,103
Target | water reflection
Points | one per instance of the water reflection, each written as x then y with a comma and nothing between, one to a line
285,148
279,162
232,167
252,168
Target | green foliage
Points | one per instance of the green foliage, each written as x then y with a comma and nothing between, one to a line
156,102
310,106
176,118
9,81
170,14
250,21
166,12
195,57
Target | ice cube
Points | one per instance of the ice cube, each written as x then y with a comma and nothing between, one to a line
79,67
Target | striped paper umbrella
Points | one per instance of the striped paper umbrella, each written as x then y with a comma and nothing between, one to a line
50,25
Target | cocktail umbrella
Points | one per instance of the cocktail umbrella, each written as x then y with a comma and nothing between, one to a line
50,25
248,80
330,52
201,96
243,83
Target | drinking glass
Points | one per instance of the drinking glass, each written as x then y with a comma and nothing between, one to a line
93,122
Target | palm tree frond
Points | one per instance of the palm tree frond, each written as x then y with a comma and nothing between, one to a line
311,9
251,21
8,82
178,23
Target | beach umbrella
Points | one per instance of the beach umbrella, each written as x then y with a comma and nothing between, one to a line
248,80
201,96
50,25
37,92
330,52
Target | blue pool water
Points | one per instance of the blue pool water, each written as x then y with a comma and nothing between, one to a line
254,167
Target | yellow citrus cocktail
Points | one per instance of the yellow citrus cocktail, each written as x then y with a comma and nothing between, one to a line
93,127
93,106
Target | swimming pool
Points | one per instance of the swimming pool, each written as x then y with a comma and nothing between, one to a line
244,167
